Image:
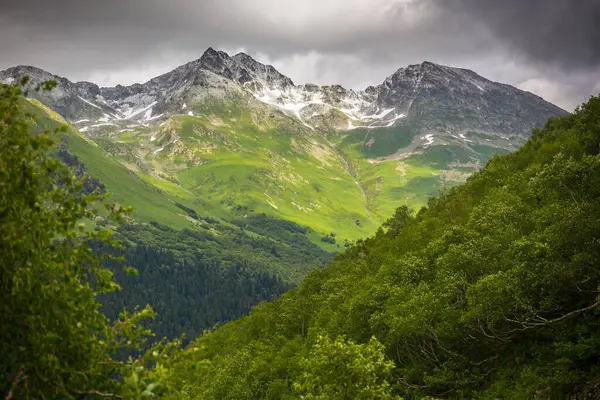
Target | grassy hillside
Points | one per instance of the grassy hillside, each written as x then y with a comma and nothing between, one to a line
238,166
150,204
488,292
195,269
235,158
232,157
165,204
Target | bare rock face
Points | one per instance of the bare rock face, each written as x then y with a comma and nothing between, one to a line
67,99
436,97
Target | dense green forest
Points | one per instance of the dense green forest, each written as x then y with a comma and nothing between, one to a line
195,279
488,292
189,294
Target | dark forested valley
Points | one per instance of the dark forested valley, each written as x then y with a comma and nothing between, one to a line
189,294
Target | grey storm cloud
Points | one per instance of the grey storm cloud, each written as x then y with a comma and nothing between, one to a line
562,32
546,46
279,27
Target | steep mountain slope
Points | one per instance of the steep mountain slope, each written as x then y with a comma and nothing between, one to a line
488,292
285,249
195,270
236,137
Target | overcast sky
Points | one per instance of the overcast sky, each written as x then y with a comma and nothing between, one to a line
549,47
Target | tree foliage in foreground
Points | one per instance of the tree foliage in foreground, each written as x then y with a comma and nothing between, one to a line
489,292
343,370
54,341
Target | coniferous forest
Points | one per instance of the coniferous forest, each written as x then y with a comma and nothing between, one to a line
190,295
490,291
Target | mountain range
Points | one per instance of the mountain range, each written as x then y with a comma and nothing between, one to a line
246,187
229,137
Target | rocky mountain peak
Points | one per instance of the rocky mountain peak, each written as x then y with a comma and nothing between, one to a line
217,62
243,69
261,72
213,57
244,58
35,74
429,66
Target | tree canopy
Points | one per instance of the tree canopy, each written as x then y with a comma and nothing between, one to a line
54,340
488,292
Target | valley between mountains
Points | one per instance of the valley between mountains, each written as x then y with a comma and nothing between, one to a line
228,138
469,209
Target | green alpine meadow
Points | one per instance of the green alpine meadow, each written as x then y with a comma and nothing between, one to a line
231,138
221,232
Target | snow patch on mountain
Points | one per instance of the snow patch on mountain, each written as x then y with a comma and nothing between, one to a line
102,124
152,118
147,114
355,106
130,112
379,115
291,100
396,118
90,103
